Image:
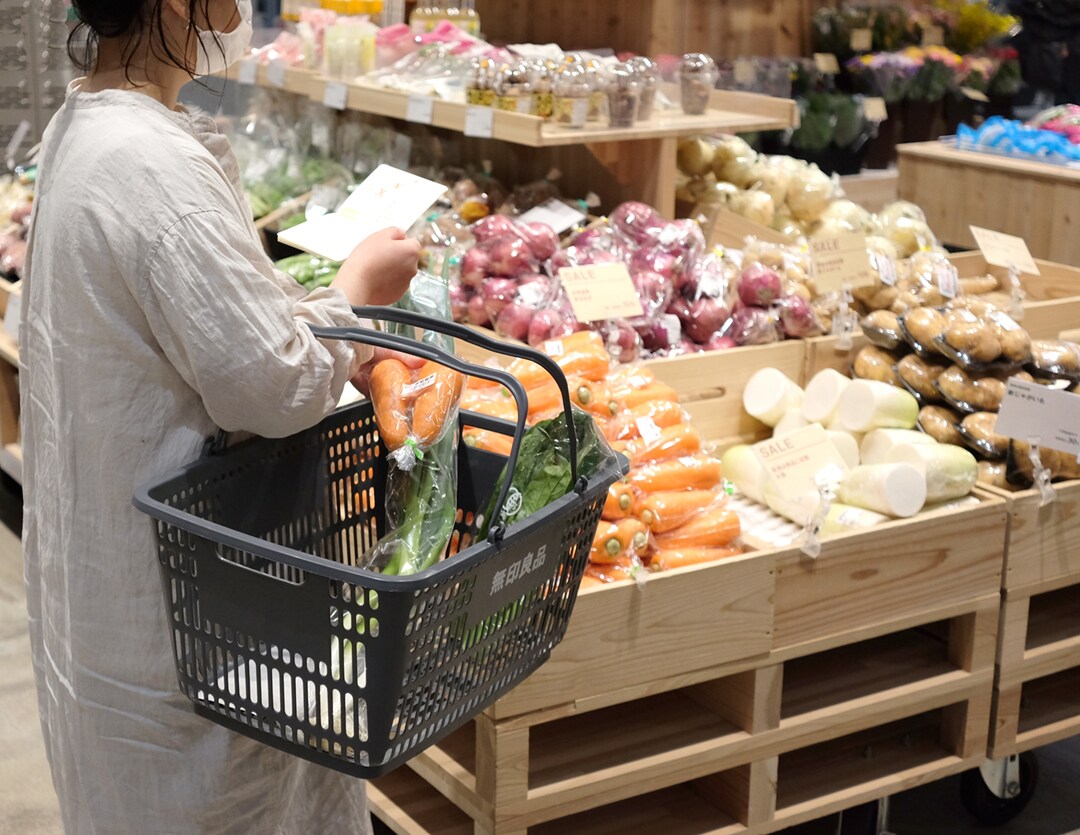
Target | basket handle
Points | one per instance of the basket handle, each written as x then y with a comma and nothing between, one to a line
411,346
473,337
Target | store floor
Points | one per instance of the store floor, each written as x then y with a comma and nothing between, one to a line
28,804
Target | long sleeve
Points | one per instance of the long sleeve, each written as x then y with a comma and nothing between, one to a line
237,332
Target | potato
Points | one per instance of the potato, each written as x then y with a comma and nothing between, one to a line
873,363
940,424
1015,345
1060,464
919,375
1055,356
979,393
974,340
979,428
992,473
924,324
978,285
882,327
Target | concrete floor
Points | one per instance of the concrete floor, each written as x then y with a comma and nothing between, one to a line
28,803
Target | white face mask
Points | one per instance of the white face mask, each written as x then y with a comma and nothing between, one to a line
220,50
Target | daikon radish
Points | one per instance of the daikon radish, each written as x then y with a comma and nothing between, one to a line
950,471
895,489
822,397
842,518
742,468
800,510
792,421
877,445
869,404
846,445
769,394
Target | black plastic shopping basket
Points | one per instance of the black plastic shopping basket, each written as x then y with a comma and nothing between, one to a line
278,635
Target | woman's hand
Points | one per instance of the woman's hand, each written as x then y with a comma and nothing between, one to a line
379,270
362,378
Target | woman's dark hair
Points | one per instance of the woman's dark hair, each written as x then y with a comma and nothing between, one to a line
134,19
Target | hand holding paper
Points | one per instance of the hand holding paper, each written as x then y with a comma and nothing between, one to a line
379,270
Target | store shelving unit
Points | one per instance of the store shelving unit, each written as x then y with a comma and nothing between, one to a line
1035,200
641,160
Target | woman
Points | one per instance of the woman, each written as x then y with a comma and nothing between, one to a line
152,317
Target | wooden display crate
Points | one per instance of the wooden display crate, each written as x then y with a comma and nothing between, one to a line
1038,663
743,696
1034,200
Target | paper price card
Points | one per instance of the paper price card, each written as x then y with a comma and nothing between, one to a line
826,63
793,461
862,40
388,197
555,214
480,122
336,95
601,291
247,71
744,71
874,109
839,261
420,110
275,73
1032,412
1003,250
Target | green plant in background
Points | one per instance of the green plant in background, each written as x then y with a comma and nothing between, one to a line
829,119
937,72
974,25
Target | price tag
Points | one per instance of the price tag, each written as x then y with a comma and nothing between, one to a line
336,95
1030,411
275,73
841,261
744,71
247,71
601,291
648,429
794,461
948,280
1003,250
11,316
933,36
555,214
480,122
862,40
420,109
826,63
874,109
974,95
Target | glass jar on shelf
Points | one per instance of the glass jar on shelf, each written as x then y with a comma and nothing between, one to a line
480,88
540,77
698,75
570,99
648,74
513,91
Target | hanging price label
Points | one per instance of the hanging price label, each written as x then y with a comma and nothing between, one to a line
420,110
480,122
336,95
1030,410
275,73
974,95
744,71
874,109
862,40
841,261
601,291
555,214
247,71
826,63
1003,250
793,461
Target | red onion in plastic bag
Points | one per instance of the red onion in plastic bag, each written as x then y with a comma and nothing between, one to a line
653,290
497,293
752,326
541,238
514,320
797,318
719,343
548,324
759,285
706,317
622,341
658,334
492,226
475,267
637,221
459,302
509,256
475,313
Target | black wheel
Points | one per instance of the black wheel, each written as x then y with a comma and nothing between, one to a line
987,807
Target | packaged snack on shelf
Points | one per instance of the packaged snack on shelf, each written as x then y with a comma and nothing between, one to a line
992,342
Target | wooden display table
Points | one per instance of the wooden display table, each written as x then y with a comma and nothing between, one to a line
1036,201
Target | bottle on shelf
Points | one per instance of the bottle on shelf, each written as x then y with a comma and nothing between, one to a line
420,17
452,13
470,18
438,14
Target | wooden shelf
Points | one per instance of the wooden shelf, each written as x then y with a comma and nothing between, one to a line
911,661
1053,618
841,773
729,112
409,806
1049,709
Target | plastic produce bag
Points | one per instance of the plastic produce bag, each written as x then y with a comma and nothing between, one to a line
421,480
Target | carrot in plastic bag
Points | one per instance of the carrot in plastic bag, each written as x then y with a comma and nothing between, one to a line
529,374
669,559
619,502
594,397
544,399
694,472
654,413
487,440
618,539
435,401
585,364
577,341
714,528
631,398
669,509
623,569
388,383
672,442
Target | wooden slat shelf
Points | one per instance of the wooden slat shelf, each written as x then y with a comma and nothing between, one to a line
409,806
729,112
1049,709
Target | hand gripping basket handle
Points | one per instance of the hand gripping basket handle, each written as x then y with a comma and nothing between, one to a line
411,346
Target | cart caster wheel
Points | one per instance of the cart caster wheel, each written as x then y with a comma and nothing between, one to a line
986,806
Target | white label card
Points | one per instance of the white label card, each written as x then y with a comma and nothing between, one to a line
417,387
744,71
480,122
601,291
826,63
275,73
1031,411
1003,250
336,95
247,71
388,197
647,429
841,261
793,461
555,214
862,40
420,110
874,109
